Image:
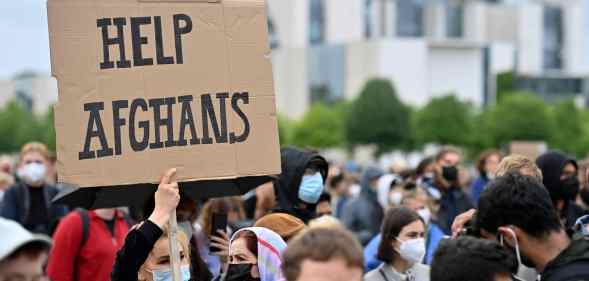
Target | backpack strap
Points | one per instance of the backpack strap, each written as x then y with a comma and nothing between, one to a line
85,225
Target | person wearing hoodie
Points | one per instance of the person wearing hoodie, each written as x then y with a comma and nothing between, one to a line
301,183
560,178
364,214
517,211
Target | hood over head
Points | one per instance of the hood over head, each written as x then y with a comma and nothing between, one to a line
551,164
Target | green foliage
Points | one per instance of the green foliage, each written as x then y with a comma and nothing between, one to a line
321,127
569,131
378,117
17,127
520,116
444,120
505,85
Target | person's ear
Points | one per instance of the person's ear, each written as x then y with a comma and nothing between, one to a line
255,271
508,235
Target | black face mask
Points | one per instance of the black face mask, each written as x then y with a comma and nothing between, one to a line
240,272
450,173
570,188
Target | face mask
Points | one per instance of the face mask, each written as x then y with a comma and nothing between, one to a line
450,173
570,187
311,188
240,272
412,250
32,174
425,214
186,227
395,198
166,275
521,260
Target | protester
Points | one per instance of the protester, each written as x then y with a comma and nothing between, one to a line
86,244
29,201
323,254
205,239
519,211
265,200
363,215
471,259
22,254
453,200
402,248
424,173
340,188
560,178
255,254
285,225
487,166
324,205
6,164
301,182
145,253
386,184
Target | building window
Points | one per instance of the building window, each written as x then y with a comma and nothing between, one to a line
272,36
410,18
454,20
317,22
368,18
553,37
326,66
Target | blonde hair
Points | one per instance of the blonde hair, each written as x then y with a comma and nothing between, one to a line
328,222
35,147
519,164
180,237
6,179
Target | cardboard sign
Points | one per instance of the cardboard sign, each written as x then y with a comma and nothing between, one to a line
146,85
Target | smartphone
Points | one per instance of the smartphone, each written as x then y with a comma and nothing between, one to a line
218,222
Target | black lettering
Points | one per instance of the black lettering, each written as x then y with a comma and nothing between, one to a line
159,121
118,122
208,112
159,44
178,31
246,124
94,109
186,119
138,40
106,42
136,145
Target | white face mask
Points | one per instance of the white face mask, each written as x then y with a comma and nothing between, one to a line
395,198
425,214
32,174
412,250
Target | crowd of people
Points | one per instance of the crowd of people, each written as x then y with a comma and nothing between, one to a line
520,219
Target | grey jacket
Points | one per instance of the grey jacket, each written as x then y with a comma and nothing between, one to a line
418,272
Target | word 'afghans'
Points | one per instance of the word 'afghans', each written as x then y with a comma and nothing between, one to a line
182,25
176,134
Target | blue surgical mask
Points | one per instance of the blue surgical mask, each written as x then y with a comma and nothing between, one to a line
166,275
311,188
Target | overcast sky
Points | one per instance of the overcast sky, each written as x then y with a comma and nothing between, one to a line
25,42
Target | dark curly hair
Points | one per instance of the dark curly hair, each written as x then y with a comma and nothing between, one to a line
471,259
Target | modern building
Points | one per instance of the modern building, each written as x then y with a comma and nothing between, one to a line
328,49
36,93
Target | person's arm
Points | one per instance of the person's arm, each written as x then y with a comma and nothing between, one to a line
140,241
66,247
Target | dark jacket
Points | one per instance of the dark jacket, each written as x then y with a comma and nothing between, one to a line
17,204
453,203
138,245
363,215
572,264
294,163
551,164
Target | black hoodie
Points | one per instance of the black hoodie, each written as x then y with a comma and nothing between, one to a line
572,264
294,163
552,163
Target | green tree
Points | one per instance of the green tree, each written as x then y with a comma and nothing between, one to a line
321,127
520,116
568,135
378,117
444,120
17,126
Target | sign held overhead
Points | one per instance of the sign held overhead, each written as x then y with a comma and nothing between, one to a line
148,85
